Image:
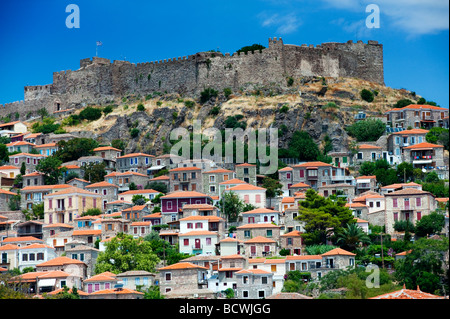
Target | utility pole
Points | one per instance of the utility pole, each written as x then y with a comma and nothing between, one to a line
382,255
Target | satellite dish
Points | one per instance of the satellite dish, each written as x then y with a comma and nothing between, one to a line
424,170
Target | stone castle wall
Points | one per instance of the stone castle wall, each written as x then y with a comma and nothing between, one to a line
98,81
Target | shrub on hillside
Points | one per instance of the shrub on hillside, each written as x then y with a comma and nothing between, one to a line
367,95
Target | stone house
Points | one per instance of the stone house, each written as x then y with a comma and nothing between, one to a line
424,155
46,149
417,116
163,179
254,284
198,210
123,180
105,280
342,190
15,126
21,241
88,236
367,153
140,229
184,280
107,191
398,140
107,153
407,204
211,180
78,182
398,186
112,226
248,231
228,184
226,273
134,162
278,269
317,174
5,197
185,179
230,246
198,242
292,241
30,160
33,179
84,253
30,228
359,210
135,213
20,146
338,259
35,194
260,246
289,220
298,187
285,177
246,172
341,159
59,239
136,279
75,268
365,183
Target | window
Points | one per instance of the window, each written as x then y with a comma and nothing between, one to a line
418,201
261,294
419,215
50,204
32,257
269,233
212,178
264,280
288,175
395,217
245,294
394,202
74,256
137,281
378,204
312,172
302,173
189,225
186,242
198,225
212,189
360,156
208,241
169,205
168,276
246,233
246,199
40,256
258,198
245,280
245,170
273,268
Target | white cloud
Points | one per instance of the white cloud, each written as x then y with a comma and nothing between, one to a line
284,23
415,17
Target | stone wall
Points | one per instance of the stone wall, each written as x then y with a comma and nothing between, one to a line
98,81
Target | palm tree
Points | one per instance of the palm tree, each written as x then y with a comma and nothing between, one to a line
351,236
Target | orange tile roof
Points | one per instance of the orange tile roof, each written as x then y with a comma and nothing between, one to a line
135,154
101,184
60,261
27,154
43,187
162,177
182,265
285,169
139,191
234,256
301,184
417,107
9,167
230,269
180,169
404,253
45,145
259,239
288,200
9,247
219,170
122,291
33,246
317,163
245,187
57,225
232,181
412,131
54,274
141,224
368,147
294,233
21,239
19,143
154,215
84,232
275,260
229,239
183,194
2,191
72,190
106,148
197,217
100,277
408,191
338,251
80,292
254,272
71,166
304,257
262,225
199,206
261,211
135,208
423,145
408,294
256,260
367,177
245,165
198,233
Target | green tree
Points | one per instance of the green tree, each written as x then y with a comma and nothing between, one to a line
367,95
51,168
4,154
301,146
231,205
402,103
153,292
139,199
125,253
92,212
66,294
251,48
273,188
405,170
430,224
90,113
95,172
75,148
321,215
424,264
352,236
368,130
157,186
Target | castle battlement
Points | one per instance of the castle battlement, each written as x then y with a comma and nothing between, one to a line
99,81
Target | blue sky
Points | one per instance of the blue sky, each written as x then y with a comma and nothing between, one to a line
35,42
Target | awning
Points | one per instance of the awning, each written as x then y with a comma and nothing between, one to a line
156,168
422,149
363,181
428,121
47,282
422,161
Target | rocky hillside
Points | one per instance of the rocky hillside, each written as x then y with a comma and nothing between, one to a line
317,105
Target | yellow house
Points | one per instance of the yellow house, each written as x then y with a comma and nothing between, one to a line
66,205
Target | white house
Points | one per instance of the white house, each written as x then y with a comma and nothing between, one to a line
261,215
32,255
250,194
278,268
198,242
147,193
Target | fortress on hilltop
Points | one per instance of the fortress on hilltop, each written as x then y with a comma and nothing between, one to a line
98,81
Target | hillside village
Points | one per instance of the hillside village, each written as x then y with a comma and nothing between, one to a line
55,230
